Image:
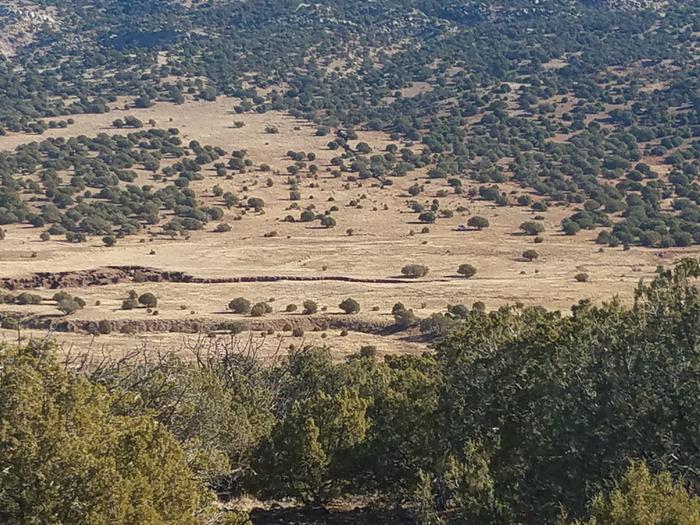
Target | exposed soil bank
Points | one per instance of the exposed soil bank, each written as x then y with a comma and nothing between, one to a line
60,323
118,274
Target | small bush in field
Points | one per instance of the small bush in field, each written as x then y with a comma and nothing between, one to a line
310,307
466,270
148,300
350,306
239,305
259,309
415,270
530,255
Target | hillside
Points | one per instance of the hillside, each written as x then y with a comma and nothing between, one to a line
389,261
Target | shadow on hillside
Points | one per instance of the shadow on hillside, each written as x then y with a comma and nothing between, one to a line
324,517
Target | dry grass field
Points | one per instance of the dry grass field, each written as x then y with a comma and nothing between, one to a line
384,238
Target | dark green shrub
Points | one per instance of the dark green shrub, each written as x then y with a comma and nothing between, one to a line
349,306
414,271
478,222
466,270
239,305
310,307
148,300
530,255
531,228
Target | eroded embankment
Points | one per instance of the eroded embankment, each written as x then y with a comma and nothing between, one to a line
58,323
119,274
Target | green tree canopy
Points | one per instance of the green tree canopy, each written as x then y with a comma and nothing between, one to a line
65,457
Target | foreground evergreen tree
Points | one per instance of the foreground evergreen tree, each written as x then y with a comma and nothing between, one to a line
569,399
643,498
66,458
309,453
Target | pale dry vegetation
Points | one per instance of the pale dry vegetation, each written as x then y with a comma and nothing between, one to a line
375,234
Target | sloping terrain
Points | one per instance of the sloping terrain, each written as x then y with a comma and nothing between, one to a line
350,139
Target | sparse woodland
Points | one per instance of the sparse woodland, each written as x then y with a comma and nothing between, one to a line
581,131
